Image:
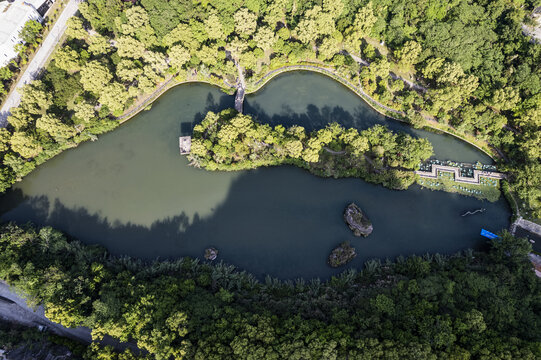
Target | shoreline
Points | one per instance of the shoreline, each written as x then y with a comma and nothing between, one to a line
375,105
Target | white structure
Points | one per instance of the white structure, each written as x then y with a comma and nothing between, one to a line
13,16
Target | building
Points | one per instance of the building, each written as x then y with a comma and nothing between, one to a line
13,15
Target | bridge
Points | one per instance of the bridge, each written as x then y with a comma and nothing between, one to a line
241,88
239,98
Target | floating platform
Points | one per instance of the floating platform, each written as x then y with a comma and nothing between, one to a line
185,144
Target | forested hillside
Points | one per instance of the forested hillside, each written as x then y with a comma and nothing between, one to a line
469,67
484,305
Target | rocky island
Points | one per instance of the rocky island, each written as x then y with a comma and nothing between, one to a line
342,254
357,221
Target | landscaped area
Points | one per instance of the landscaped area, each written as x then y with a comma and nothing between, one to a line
290,110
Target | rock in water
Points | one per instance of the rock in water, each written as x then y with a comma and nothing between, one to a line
342,254
357,221
211,253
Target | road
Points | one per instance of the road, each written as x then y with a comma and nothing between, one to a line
13,308
40,58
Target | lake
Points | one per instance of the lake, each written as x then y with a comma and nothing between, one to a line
133,193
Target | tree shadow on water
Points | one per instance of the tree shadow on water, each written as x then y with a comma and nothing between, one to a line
253,229
224,101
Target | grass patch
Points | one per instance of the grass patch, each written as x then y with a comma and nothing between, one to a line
488,189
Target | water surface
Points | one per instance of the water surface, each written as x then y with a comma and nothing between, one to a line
133,193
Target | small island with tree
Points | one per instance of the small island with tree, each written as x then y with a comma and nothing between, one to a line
232,141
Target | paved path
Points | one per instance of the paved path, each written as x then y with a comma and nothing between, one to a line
411,84
526,225
38,62
14,308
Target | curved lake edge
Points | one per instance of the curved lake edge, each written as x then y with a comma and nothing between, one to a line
375,105
204,209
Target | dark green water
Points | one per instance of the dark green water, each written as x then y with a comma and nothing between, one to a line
133,193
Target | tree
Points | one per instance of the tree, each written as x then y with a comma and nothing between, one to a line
505,99
129,47
265,38
31,32
84,111
138,25
25,144
98,45
95,76
127,70
5,135
409,54
102,14
54,127
19,118
314,23
75,29
362,26
114,96
245,22
178,56
328,48
156,60
5,73
214,27
365,20
181,34
67,59
35,98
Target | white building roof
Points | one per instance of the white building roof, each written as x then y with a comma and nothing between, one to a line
13,16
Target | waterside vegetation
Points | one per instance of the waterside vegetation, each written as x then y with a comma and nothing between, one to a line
233,141
482,305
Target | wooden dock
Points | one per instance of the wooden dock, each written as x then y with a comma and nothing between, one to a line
185,144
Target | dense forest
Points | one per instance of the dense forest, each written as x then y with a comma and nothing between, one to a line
462,64
478,305
233,141
23,343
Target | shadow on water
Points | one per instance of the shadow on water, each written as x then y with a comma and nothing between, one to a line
273,223
315,118
224,102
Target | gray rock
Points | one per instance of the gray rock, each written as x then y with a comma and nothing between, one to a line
341,255
357,221
211,253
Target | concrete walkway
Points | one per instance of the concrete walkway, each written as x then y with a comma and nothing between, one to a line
35,67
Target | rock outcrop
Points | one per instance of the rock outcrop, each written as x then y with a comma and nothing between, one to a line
357,221
342,254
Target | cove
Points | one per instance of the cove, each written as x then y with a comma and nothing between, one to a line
133,193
